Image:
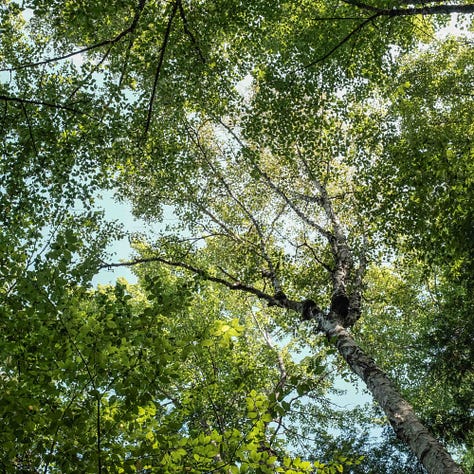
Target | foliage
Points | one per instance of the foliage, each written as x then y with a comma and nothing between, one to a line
427,353
423,186
421,194
154,376
306,148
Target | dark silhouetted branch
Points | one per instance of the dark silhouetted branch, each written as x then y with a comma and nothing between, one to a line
159,66
344,40
112,41
391,13
41,103
189,32
423,10
198,271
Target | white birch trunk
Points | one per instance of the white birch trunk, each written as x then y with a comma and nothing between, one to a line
399,412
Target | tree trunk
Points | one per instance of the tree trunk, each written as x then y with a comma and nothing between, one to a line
399,412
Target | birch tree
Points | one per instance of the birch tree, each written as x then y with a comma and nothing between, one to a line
273,129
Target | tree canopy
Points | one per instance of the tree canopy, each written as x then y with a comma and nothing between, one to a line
317,158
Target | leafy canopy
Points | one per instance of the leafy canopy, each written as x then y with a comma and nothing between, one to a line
268,127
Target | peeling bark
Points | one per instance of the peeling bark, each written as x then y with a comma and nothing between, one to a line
399,412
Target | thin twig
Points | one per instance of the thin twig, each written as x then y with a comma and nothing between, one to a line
41,103
343,41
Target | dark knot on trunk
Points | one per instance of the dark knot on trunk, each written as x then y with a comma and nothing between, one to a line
340,304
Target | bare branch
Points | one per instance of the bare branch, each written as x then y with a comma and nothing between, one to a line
342,254
432,10
391,13
323,199
343,41
160,65
228,232
198,271
337,18
261,238
141,6
203,237
41,103
422,2
308,199
424,10
189,32
263,250
315,256
290,203
112,41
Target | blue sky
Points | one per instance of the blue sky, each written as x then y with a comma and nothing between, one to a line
120,249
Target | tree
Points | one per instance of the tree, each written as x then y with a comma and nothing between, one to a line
260,107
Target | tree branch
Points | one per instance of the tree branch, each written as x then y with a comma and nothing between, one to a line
424,10
290,203
337,18
355,297
159,65
343,41
189,32
390,12
42,103
112,41
261,238
433,10
91,72
227,231
315,256
399,413
202,273
308,199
